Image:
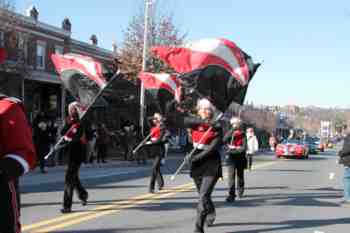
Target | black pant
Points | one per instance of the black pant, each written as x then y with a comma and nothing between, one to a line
72,182
101,152
236,169
156,174
250,161
9,206
205,186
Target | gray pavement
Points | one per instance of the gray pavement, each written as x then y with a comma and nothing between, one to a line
281,196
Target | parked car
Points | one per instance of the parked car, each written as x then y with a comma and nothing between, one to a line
292,148
313,147
320,145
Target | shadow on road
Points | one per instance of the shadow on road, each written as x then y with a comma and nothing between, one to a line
287,225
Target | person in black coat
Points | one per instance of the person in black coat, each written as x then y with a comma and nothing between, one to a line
73,132
236,142
41,139
205,163
344,155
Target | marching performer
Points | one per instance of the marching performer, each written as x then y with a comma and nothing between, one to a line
236,158
17,157
73,132
205,164
156,146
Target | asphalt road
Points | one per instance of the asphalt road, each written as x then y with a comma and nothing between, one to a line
282,196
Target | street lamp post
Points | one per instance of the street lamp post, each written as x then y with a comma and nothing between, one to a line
148,4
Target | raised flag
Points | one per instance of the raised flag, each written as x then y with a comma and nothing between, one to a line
82,76
162,87
212,68
203,53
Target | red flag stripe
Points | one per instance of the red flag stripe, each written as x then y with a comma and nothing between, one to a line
83,64
206,52
161,80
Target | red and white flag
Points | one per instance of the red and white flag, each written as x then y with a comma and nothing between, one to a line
80,64
206,52
168,82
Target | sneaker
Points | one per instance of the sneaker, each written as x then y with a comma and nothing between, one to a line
230,199
66,210
210,219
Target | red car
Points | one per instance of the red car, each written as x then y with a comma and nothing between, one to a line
292,148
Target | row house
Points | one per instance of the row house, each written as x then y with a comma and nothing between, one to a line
28,72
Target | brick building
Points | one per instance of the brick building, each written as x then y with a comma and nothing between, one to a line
28,72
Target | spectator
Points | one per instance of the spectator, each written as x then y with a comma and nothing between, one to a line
102,140
41,139
344,155
252,146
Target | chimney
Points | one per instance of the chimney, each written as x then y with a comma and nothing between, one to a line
66,25
33,13
93,39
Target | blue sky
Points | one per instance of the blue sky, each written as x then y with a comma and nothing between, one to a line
304,44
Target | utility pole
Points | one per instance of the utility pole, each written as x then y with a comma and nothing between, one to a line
148,4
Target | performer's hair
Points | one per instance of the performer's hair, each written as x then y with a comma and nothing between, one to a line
71,106
205,103
235,120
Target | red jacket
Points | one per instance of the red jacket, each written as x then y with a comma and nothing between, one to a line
155,133
17,153
201,138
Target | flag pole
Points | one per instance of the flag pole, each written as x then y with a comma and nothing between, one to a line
148,3
56,146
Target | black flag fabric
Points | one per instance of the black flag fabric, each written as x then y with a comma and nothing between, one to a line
162,88
216,84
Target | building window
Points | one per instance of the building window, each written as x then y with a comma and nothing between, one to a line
40,55
59,49
2,40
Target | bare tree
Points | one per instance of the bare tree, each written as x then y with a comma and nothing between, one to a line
162,32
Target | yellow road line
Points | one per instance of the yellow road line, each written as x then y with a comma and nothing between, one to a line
99,208
107,212
114,207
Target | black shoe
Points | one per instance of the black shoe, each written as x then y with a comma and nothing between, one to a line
230,199
43,171
198,231
240,193
84,202
104,161
151,191
161,188
66,210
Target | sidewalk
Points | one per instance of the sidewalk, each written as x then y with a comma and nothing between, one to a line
113,167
